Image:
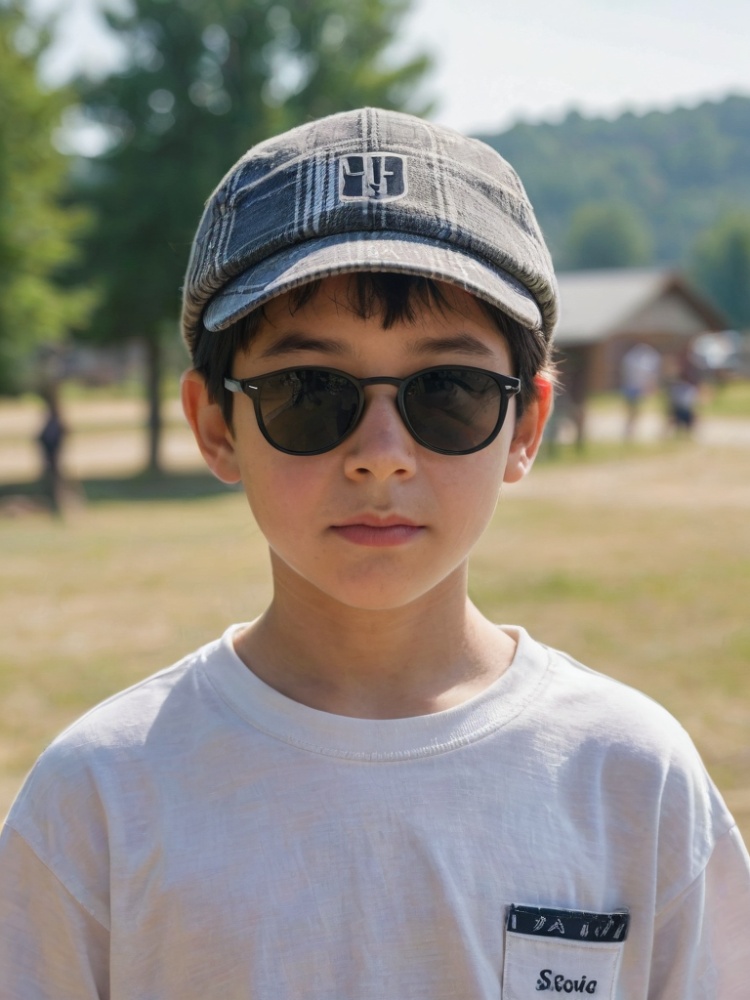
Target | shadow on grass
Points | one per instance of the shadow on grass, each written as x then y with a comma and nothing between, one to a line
145,486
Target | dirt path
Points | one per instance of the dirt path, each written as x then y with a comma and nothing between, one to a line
106,438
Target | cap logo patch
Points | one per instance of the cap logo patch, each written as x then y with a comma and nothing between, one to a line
372,177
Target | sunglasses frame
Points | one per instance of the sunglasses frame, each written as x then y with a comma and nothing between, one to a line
507,384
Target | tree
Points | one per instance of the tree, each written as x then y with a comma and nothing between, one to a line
721,265
606,234
37,232
204,80
679,169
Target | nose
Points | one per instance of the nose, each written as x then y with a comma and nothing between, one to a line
380,446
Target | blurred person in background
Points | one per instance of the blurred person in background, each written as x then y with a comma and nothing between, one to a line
50,439
640,370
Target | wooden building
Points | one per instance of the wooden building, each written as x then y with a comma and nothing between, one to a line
606,312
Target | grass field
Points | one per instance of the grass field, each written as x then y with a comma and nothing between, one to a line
636,561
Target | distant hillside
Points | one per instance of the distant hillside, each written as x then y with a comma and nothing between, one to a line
679,170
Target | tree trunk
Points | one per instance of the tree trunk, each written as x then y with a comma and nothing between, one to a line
153,390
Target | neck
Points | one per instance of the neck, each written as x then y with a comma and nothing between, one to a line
424,657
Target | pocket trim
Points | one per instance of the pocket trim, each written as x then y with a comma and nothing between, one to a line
578,925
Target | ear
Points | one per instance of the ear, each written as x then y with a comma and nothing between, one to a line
214,438
528,432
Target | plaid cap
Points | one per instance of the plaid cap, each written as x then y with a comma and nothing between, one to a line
368,190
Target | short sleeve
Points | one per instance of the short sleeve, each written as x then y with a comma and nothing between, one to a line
51,948
700,940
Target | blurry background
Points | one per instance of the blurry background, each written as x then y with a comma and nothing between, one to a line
630,126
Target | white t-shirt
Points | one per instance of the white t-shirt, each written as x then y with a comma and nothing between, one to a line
201,836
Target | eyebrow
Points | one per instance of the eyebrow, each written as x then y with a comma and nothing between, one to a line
292,342
459,342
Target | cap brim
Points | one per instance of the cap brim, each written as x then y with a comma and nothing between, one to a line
369,251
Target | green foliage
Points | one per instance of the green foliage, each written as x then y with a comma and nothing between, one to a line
37,232
606,234
204,81
679,170
721,265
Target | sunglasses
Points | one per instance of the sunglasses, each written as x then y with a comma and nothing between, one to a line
311,410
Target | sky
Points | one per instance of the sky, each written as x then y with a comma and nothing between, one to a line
498,62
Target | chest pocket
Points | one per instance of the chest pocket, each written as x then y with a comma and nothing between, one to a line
553,953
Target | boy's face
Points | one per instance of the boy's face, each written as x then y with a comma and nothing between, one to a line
378,521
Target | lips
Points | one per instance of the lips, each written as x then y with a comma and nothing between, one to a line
374,531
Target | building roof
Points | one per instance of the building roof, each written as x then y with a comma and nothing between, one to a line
596,304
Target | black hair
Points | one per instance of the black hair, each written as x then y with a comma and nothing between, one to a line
390,295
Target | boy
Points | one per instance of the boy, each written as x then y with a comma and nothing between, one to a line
371,791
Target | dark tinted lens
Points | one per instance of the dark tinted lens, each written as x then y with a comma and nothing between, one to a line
453,409
305,411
